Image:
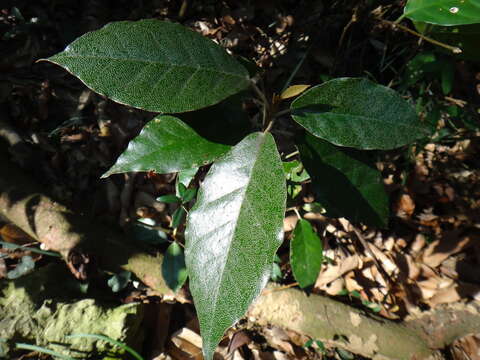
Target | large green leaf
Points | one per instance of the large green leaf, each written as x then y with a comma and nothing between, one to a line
306,254
345,182
358,113
166,144
233,232
154,65
444,12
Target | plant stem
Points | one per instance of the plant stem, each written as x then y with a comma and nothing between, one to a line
292,154
269,127
282,112
454,49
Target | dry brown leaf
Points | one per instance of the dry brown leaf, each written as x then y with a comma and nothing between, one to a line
418,244
12,234
189,342
289,223
279,339
351,283
332,272
238,339
404,206
468,345
448,245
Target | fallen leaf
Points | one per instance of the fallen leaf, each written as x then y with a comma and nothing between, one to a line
333,272
405,206
448,245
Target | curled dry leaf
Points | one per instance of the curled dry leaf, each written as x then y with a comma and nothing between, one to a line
333,272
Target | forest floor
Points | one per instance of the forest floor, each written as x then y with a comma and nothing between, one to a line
430,252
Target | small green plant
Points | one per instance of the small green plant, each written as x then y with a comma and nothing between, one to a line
235,227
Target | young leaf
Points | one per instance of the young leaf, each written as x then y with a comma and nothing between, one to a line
189,195
293,91
169,199
444,12
233,232
153,65
185,177
177,217
306,253
166,144
345,182
173,267
358,113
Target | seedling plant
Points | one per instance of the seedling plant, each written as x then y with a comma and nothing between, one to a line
236,224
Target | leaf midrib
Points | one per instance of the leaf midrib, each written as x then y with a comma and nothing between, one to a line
217,290
148,62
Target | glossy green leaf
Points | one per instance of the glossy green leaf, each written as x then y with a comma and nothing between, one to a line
166,144
358,113
345,182
173,267
154,65
233,232
444,12
189,195
178,216
295,171
169,199
306,254
185,177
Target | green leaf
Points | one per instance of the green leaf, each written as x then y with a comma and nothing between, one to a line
186,176
119,281
181,189
189,195
147,234
224,123
306,254
153,65
358,113
444,12
173,267
233,232
169,199
177,217
345,182
166,144
295,171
